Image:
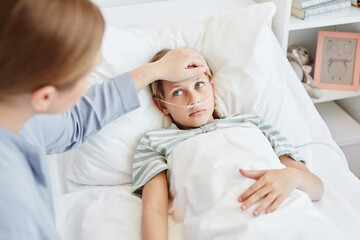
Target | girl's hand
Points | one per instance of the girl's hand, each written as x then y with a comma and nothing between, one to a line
273,186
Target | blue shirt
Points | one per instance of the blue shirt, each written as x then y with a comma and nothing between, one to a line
26,205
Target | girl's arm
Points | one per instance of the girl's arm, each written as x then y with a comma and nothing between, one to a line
308,182
273,186
154,221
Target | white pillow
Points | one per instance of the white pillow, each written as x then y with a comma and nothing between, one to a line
249,78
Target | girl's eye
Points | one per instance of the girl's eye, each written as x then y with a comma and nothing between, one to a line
199,84
177,93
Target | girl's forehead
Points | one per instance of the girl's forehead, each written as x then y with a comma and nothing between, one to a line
184,83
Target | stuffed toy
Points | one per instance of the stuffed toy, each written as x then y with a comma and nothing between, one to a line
300,60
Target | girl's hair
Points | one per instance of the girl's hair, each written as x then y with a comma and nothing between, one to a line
47,42
157,88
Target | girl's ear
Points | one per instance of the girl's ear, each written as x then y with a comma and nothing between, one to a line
212,85
42,98
160,106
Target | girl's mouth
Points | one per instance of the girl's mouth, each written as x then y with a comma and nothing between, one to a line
197,112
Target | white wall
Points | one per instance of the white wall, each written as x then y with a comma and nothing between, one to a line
112,3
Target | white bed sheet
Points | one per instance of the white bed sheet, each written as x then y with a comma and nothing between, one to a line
105,212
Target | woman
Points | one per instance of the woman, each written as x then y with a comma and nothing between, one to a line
48,48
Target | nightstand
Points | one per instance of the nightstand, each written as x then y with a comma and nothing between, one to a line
290,30
344,130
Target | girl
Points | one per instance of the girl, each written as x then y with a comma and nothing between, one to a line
191,106
48,48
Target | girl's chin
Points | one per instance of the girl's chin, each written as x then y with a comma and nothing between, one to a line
194,123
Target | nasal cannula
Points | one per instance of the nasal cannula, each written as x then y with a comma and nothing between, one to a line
187,106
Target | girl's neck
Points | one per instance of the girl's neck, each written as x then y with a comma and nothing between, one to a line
14,113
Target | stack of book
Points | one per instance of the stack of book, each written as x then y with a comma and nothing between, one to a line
304,9
355,3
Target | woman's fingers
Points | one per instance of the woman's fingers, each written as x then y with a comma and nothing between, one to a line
183,64
195,60
194,72
195,66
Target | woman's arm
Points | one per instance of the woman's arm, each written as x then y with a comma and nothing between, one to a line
101,104
154,221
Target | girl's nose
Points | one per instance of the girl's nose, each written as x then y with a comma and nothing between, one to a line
193,97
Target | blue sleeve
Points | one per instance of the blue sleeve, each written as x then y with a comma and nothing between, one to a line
20,223
101,104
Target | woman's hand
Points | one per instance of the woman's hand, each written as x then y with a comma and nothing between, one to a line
177,65
273,186
181,64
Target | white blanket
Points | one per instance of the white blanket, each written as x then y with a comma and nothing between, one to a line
104,212
99,213
205,184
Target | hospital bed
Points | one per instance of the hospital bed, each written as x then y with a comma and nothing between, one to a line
92,184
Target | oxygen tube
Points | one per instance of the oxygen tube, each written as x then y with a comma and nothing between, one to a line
187,106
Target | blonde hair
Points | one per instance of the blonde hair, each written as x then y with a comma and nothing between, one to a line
157,88
47,42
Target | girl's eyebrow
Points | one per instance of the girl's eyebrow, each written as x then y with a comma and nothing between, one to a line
178,85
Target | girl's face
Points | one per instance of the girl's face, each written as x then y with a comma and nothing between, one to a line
185,93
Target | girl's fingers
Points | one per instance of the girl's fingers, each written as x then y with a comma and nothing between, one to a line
254,174
259,194
251,190
276,204
268,200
